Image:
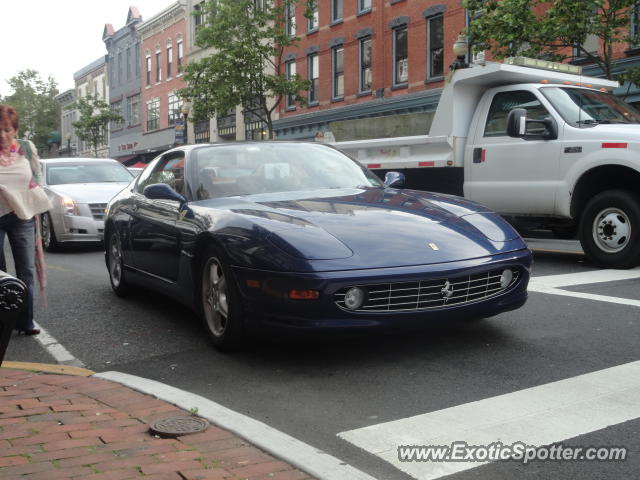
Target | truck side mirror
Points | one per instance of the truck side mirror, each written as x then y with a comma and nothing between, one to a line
517,123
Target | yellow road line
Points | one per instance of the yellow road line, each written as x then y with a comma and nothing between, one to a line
49,368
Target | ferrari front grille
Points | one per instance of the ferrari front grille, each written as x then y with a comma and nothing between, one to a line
430,294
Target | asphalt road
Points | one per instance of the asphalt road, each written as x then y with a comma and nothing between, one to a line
316,390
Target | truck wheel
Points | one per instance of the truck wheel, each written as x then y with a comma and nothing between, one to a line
610,229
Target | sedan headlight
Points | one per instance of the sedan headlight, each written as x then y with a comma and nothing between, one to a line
69,206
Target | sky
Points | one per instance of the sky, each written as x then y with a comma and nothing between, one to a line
60,38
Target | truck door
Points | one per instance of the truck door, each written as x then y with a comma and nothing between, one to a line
512,175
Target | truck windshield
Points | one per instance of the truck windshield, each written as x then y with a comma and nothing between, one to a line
579,106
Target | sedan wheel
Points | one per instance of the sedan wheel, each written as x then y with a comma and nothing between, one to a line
219,304
116,266
49,240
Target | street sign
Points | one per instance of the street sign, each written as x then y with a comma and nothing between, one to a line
181,137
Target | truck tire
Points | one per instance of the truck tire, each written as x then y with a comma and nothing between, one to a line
610,229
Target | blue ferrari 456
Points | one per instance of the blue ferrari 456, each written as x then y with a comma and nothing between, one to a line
299,236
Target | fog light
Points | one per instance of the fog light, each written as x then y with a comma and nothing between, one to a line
354,298
506,278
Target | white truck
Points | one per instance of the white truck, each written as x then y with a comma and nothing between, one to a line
532,140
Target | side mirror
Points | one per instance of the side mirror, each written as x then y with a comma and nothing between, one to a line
517,123
394,180
162,191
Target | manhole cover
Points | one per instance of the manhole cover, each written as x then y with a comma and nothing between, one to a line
177,426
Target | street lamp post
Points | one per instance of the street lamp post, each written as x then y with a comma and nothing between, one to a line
460,50
186,108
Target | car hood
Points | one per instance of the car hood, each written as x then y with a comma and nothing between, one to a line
375,227
88,192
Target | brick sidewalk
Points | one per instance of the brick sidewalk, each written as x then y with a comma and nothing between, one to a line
58,426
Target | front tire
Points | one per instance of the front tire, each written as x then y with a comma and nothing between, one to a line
220,302
610,229
49,240
115,265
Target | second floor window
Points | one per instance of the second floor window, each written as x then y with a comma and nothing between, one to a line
128,63
400,54
198,16
175,108
290,20
312,21
148,70
169,61
365,65
180,54
116,108
364,5
435,50
119,68
337,54
290,71
314,77
133,110
158,66
336,10
153,114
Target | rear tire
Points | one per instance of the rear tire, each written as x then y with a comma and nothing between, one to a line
610,229
115,265
220,302
49,240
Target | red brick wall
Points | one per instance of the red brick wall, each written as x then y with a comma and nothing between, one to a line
163,88
382,47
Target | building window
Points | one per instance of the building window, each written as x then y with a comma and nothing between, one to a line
435,50
133,110
400,58
175,108
180,53
116,107
169,61
153,114
290,20
137,63
198,16
590,45
158,65
312,21
314,77
148,69
364,6
337,63
336,10
128,63
290,69
364,60
119,68
634,26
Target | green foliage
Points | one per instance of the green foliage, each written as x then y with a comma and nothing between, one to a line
95,115
550,29
245,67
34,99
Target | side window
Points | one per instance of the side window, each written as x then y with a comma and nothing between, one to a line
504,102
169,169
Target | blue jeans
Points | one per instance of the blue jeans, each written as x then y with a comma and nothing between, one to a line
22,237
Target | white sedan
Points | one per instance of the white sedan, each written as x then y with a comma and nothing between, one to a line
79,189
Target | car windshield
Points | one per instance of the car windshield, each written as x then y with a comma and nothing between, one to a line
252,168
87,173
579,106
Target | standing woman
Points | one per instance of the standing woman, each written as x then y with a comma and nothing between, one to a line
21,199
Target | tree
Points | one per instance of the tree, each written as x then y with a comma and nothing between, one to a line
248,38
95,115
542,28
34,99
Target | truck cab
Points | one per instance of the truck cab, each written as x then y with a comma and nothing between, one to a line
536,141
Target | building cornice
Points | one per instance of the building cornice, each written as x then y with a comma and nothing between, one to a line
162,20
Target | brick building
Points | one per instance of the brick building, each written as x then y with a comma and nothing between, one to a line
162,64
378,66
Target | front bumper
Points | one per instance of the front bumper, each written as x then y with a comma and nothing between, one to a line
87,226
266,303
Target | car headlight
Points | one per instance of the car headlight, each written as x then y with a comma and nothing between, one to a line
69,206
354,298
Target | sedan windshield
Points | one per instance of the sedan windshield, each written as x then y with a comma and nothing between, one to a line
579,106
247,169
87,173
